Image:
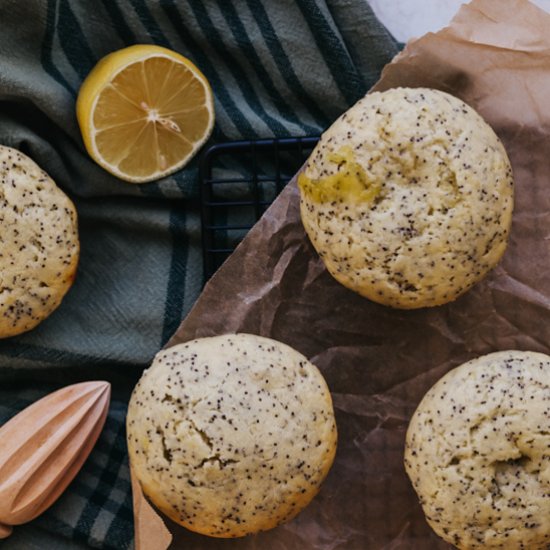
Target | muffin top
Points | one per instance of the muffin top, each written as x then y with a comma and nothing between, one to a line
39,245
231,435
408,197
477,453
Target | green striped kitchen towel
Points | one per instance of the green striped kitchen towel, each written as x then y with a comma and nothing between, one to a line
277,68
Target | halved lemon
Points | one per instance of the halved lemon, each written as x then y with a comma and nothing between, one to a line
144,111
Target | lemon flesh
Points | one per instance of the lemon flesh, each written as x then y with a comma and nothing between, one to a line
144,112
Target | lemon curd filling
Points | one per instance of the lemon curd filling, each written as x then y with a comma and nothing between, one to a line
350,183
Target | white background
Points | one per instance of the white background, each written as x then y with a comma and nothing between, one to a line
412,18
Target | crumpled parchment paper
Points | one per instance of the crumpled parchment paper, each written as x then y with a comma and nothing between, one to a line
378,361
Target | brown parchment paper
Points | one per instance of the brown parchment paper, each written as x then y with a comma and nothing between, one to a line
379,362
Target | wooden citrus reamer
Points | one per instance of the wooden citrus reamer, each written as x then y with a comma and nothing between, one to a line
44,446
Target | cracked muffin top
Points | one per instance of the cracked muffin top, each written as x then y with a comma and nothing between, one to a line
39,244
408,198
478,453
231,435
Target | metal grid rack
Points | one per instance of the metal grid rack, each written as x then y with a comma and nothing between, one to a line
238,182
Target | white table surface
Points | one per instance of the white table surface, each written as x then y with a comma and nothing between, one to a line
412,18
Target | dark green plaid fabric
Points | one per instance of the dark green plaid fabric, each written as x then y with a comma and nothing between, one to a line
277,68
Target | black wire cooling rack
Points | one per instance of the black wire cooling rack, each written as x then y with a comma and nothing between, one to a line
238,181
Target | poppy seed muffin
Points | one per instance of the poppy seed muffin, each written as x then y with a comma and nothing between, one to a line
231,435
408,198
39,245
478,453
